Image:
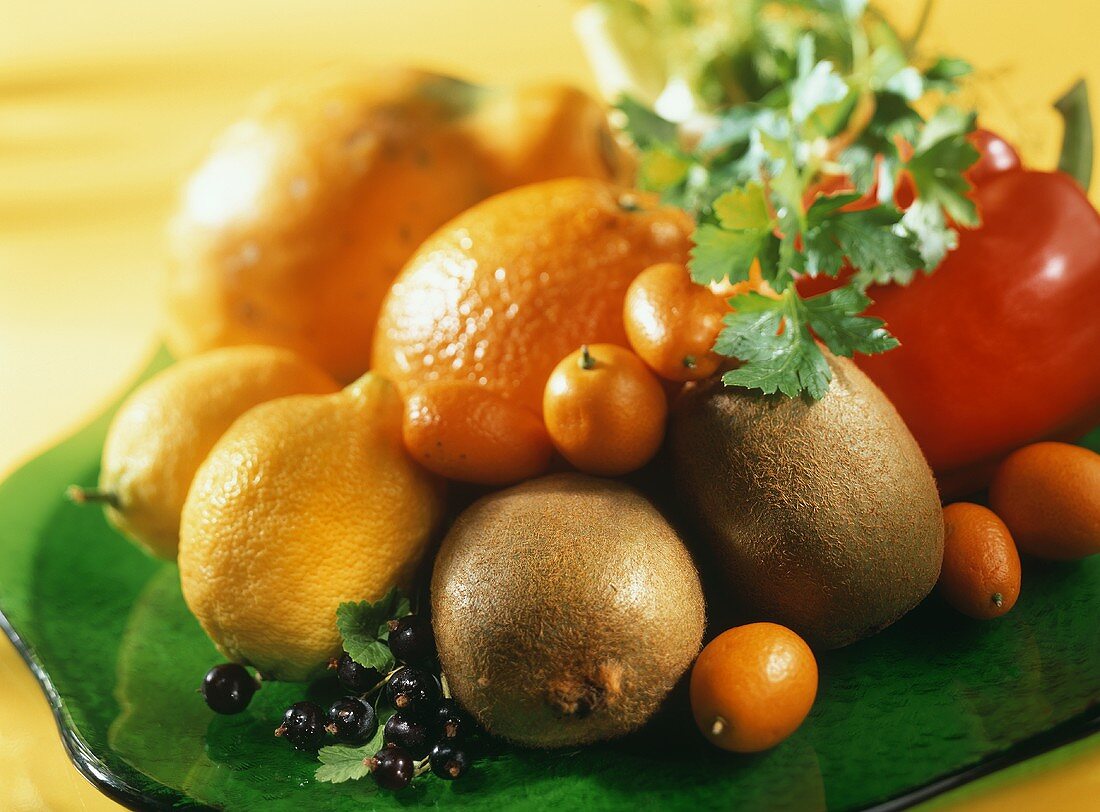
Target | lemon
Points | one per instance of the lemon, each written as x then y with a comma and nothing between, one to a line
163,431
306,502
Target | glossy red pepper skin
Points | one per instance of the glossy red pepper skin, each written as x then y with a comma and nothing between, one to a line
995,155
1000,347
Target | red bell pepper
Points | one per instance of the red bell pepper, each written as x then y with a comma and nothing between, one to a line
1000,347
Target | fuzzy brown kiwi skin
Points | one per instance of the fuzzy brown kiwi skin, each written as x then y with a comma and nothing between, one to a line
565,609
822,516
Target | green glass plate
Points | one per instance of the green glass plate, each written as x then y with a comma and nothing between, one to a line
932,702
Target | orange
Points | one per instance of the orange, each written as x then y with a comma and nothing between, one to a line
506,289
672,322
293,227
463,431
981,568
752,686
1048,494
605,411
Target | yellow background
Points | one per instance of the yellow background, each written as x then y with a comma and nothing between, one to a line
104,105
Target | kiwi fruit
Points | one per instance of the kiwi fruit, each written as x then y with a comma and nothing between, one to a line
822,516
565,610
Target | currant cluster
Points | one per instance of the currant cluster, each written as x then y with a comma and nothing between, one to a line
427,731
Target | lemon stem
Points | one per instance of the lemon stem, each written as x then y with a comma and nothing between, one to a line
587,361
80,496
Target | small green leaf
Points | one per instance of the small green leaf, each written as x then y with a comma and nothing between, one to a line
946,123
341,763
943,154
873,243
733,128
771,339
363,627
1076,157
945,73
935,238
644,127
744,209
662,168
834,316
817,84
721,254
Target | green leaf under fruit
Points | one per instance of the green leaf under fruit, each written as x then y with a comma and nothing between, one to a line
1076,156
363,627
340,763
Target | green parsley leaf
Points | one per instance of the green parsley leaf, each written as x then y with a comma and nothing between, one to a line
771,338
935,238
644,127
942,156
733,128
834,316
774,339
744,209
662,168
873,242
945,73
722,253
816,85
363,627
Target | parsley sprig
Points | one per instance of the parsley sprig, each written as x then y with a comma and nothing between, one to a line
827,91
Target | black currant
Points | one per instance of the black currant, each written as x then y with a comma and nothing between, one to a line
303,726
228,688
352,721
410,734
411,640
356,678
392,767
449,761
413,692
450,720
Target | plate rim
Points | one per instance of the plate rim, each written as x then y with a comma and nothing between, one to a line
92,768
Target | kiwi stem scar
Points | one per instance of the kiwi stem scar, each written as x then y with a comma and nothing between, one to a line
446,686
80,496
